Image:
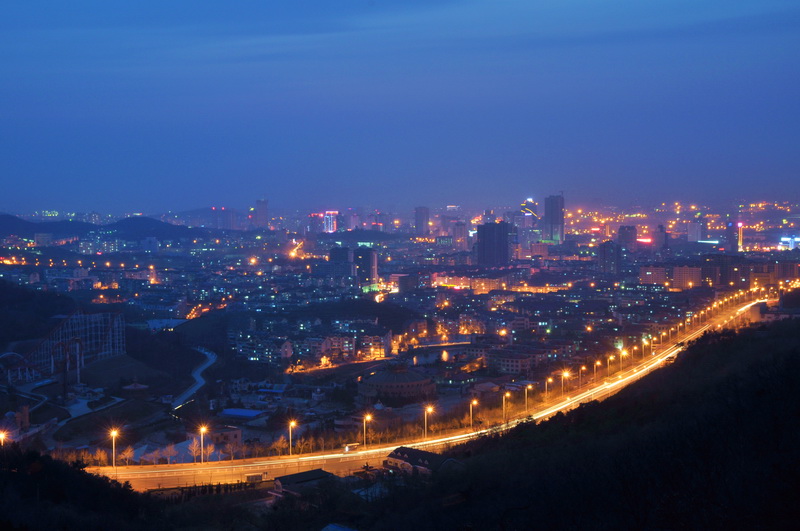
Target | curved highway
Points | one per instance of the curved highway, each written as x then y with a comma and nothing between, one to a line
159,476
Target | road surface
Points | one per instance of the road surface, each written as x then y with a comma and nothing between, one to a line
198,378
185,474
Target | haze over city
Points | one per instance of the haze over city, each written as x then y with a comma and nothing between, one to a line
344,265
317,104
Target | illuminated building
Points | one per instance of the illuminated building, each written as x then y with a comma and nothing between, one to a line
366,261
422,218
493,244
529,207
330,220
460,236
696,230
653,275
685,277
553,222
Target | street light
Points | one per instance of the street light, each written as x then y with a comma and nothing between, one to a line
548,381
564,374
114,434
203,430
580,375
505,395
428,410
367,418
596,364
292,424
473,402
529,386
622,355
2,438
608,365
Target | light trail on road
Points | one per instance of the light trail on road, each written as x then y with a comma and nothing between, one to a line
145,477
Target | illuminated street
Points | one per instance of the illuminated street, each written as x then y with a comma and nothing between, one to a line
162,476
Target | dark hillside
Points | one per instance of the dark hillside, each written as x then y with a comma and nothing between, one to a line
710,442
26,314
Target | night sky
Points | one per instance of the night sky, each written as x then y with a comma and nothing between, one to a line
149,106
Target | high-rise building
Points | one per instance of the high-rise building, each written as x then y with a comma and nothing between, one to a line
460,236
330,220
626,238
422,221
696,231
366,261
553,226
260,218
493,244
609,258
661,238
529,207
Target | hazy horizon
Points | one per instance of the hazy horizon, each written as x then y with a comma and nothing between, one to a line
149,107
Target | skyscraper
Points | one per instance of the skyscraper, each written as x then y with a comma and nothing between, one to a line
553,226
366,261
260,218
331,220
626,237
460,236
422,218
609,258
493,244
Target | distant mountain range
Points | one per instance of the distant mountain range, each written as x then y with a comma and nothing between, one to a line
134,228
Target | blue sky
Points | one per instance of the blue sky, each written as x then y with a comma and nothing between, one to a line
149,106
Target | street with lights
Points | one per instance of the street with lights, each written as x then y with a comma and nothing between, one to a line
729,312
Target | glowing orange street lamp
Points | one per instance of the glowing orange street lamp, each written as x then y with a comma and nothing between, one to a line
580,375
428,410
114,434
529,386
596,364
564,375
505,395
548,381
292,424
367,418
203,430
472,403
2,438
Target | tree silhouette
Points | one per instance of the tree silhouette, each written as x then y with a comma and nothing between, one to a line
194,449
127,454
101,457
170,452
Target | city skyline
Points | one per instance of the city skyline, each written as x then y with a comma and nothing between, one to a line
150,108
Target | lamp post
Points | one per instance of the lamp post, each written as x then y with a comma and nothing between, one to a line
473,402
548,381
564,375
367,418
203,431
608,365
580,375
292,424
527,387
114,434
622,354
596,364
428,409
